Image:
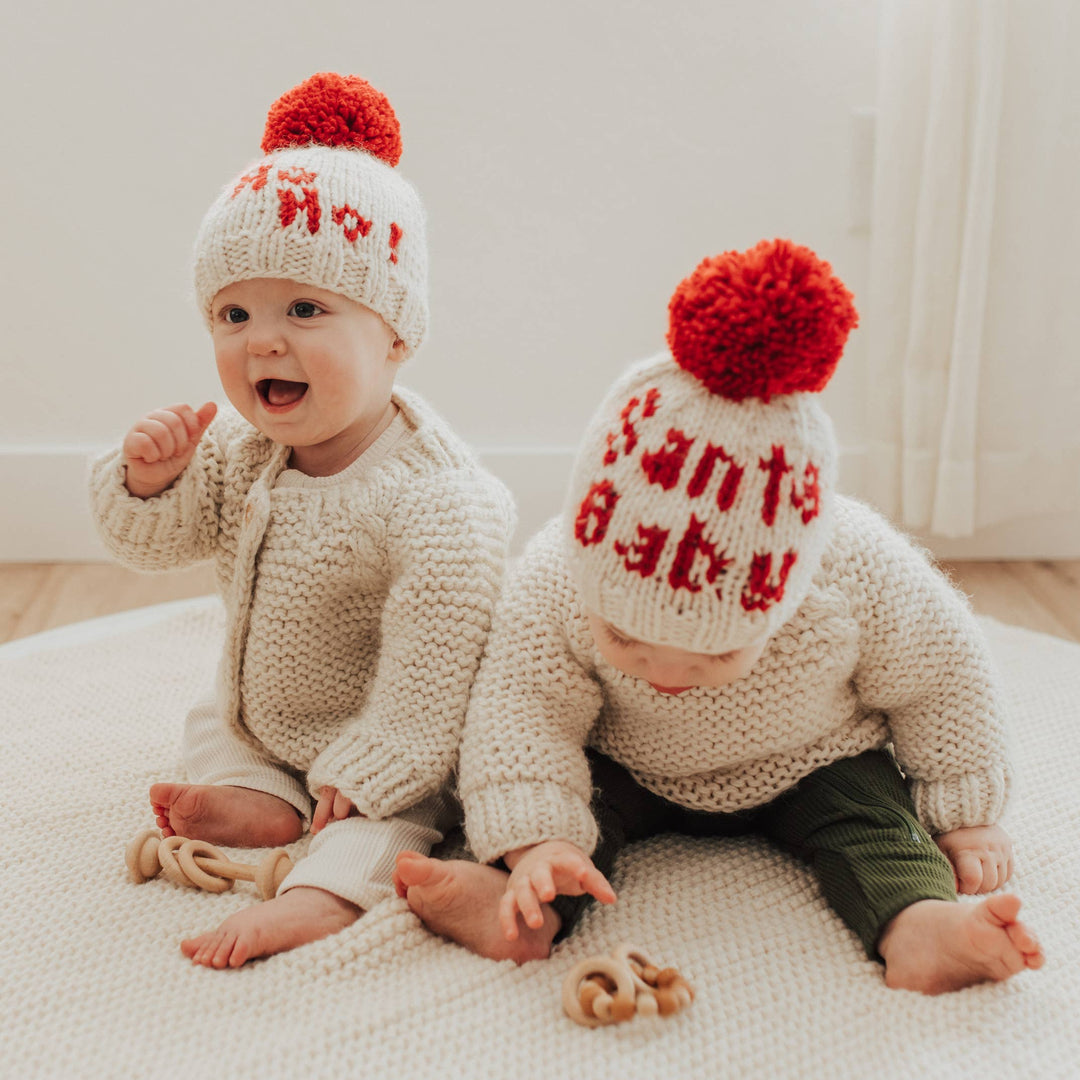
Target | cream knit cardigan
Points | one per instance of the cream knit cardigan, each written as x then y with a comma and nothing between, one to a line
881,650
357,605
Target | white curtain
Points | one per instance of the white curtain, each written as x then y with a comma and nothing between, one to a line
973,315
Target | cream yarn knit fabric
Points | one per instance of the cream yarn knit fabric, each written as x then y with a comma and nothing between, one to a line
700,545
882,649
324,206
358,604
94,984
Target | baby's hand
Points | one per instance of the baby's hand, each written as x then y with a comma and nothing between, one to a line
981,857
332,806
159,446
538,874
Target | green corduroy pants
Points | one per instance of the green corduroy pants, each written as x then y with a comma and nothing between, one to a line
853,822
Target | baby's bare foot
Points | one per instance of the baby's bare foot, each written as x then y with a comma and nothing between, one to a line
296,917
935,946
234,816
460,900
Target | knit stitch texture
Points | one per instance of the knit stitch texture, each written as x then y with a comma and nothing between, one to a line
95,986
358,603
881,650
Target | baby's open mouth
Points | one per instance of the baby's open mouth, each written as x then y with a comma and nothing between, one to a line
279,392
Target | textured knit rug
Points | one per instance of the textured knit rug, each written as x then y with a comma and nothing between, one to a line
93,982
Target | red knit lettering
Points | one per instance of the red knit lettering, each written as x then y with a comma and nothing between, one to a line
759,593
776,466
645,550
396,234
692,544
290,206
809,499
594,514
361,228
629,432
297,176
729,486
257,179
664,466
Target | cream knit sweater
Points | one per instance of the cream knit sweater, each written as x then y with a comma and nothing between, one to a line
357,604
882,650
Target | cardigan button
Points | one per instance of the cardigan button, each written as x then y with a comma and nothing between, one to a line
249,513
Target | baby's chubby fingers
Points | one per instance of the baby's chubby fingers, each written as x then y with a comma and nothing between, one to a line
595,884
969,872
167,433
342,806
324,808
519,898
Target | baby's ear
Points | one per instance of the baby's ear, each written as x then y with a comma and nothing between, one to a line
399,350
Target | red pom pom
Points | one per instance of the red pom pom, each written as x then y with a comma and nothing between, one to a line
334,110
771,320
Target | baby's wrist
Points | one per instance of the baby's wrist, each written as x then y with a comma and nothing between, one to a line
140,489
512,858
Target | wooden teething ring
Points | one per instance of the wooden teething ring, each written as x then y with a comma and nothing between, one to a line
197,863
603,990
141,856
658,991
618,973
198,871
637,962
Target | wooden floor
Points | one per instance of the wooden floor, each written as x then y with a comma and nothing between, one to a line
1042,596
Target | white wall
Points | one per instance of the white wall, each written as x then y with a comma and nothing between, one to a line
577,159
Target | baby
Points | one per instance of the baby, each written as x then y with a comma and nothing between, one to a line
358,544
712,641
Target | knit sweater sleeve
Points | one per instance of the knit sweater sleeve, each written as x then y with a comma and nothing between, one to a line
925,664
176,528
523,776
448,538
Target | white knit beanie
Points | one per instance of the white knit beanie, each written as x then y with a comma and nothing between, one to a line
700,503
324,207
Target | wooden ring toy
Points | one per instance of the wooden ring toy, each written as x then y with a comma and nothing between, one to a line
608,990
271,872
206,873
141,856
200,864
170,865
639,964
618,1007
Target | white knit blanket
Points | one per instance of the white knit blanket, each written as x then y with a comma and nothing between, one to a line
93,983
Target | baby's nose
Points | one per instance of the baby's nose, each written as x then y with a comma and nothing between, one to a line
264,341
670,674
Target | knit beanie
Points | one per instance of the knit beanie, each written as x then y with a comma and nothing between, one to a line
700,502
324,207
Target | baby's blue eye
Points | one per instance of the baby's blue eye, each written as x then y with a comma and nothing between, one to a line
235,315
304,309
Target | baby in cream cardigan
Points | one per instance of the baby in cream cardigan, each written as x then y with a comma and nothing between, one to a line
358,544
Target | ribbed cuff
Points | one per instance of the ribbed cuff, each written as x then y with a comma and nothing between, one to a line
380,780
143,532
961,801
501,818
355,858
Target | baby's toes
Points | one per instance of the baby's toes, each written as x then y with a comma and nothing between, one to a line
191,947
1026,943
204,949
223,952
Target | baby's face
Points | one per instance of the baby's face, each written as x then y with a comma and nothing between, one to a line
670,670
310,369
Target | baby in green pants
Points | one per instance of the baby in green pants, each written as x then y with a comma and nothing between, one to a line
711,640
